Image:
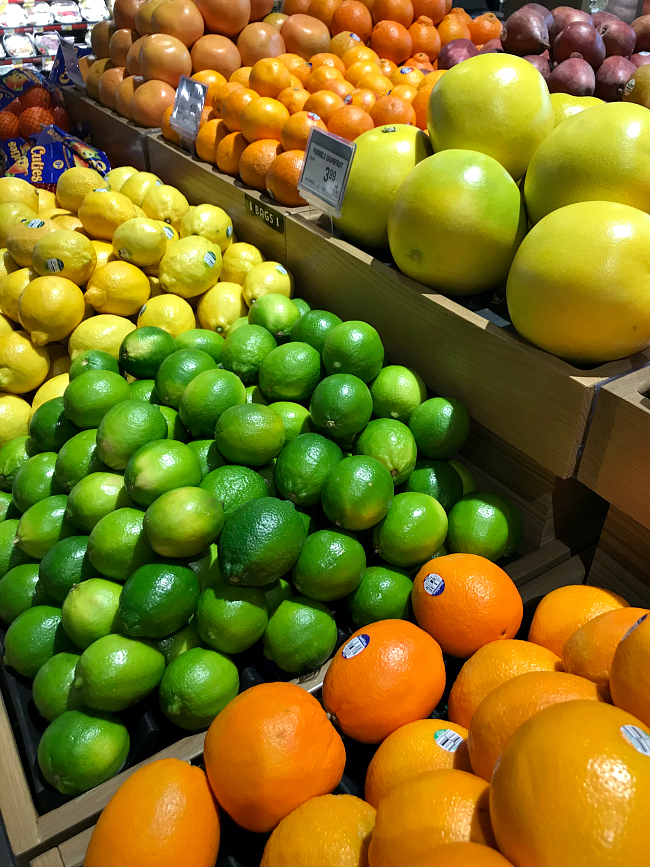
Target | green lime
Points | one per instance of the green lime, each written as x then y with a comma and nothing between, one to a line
260,542
179,642
277,313
78,458
183,522
231,619
313,328
117,545
232,486
178,370
93,359
208,454
201,338
330,566
159,467
10,554
206,567
66,564
301,635
341,406
94,497
384,594
7,507
90,396
397,392
254,394
144,389
90,610
176,430
267,472
19,590
290,372
35,480
440,427
249,434
127,427
13,455
353,347
412,531
244,351
357,493
207,397
309,520
158,599
33,637
392,444
49,428
144,350
302,306
196,687
79,750
276,593
466,477
242,320
116,672
43,525
487,524
439,480
302,467
295,418
52,685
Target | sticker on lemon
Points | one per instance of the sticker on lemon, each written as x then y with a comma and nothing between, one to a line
119,288
65,254
210,222
50,308
190,266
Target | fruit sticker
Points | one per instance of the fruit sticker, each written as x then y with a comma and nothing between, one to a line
54,265
210,259
434,584
637,738
169,232
281,269
355,646
34,224
448,740
229,232
634,626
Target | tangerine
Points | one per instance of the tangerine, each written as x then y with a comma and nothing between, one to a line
233,106
283,176
452,27
630,671
360,69
340,88
167,132
33,120
342,42
295,131
433,9
323,103
379,84
9,126
229,152
293,98
269,76
407,75
349,122
241,75
484,27
361,98
263,118
420,61
36,96
405,91
221,93
326,58
392,40
208,139
297,66
214,81
321,76
352,16
392,109
401,11
358,54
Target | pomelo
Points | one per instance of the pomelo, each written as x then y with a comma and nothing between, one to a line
565,105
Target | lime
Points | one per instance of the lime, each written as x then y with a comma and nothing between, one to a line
330,566
397,392
275,312
117,545
232,486
244,351
144,389
302,306
13,455
290,372
33,637
302,467
208,454
412,531
43,525
10,554
90,396
201,338
439,480
207,397
49,428
52,684
159,467
384,594
341,405
357,493
353,347
392,444
20,590
35,480
276,593
116,672
94,497
177,371
92,359
77,459
487,524
206,567
183,522
127,427
90,611
267,472
179,642
313,327
466,477
158,599
143,351
254,394
260,542
65,564
231,619
79,750
7,507
176,430
440,427
196,687
241,320
301,635
249,434
295,418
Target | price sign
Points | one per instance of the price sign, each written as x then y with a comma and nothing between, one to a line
188,108
71,60
325,170
265,214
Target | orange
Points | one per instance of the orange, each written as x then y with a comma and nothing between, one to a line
295,81
283,176
164,814
297,66
293,98
349,122
379,84
361,68
492,665
329,829
263,118
407,75
465,601
241,75
484,27
566,609
420,746
233,106
362,98
208,138
295,132
326,58
342,42
420,102
425,38
388,674
323,103
269,76
429,81
229,152
393,10
453,27
214,81
256,161
206,115
405,91
392,40
352,16
221,93
165,128
323,10
501,712
427,811
630,674
387,67
433,9
421,61
463,13
321,76
573,787
358,54
392,109
270,750
339,87
463,855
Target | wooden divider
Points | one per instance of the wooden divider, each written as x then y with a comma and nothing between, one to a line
622,559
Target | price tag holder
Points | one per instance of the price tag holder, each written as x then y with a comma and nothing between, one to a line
325,170
265,214
188,108
71,60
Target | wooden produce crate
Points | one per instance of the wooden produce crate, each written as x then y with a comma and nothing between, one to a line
622,559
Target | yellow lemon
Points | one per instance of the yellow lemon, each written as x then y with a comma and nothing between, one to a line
59,359
46,200
5,325
210,222
140,242
169,312
102,211
16,190
104,252
166,203
139,212
119,288
138,185
7,263
50,389
74,185
104,332
23,366
12,213
11,288
154,286
66,254
117,177
221,306
15,414
170,232
53,213
267,278
50,308
190,266
23,236
70,223
238,259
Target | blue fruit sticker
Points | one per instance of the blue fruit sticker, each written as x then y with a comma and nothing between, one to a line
355,646
434,584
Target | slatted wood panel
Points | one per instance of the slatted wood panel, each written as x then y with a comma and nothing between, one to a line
622,559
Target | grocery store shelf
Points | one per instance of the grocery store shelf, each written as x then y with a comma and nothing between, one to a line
45,28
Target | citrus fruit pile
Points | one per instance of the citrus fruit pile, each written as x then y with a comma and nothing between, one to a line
31,111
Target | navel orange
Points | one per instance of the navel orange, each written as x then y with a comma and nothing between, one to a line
629,679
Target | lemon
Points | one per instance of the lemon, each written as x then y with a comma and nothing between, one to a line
59,360
15,414
238,259
118,288
70,223
104,252
154,286
166,203
23,236
18,191
23,366
190,266
74,185
46,200
50,389
221,306
170,232
210,222
138,185
103,332
53,213
169,312
50,308
66,254
5,325
12,213
11,288
265,279
140,242
7,263
102,211
117,177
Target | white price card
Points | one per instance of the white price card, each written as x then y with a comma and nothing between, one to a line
325,170
188,107
71,60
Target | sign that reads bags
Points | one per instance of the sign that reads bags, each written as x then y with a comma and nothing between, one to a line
325,170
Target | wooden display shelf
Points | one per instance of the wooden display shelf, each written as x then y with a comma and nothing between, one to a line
622,559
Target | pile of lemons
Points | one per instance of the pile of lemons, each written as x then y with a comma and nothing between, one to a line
82,268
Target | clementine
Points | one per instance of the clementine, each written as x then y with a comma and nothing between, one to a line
484,27
233,106
340,88
293,98
358,54
269,76
352,16
405,91
392,40
452,27
326,58
388,68
379,84
360,69
221,93
263,118
407,75
361,98
321,76
241,75
297,66
342,42
323,103
283,176
392,109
